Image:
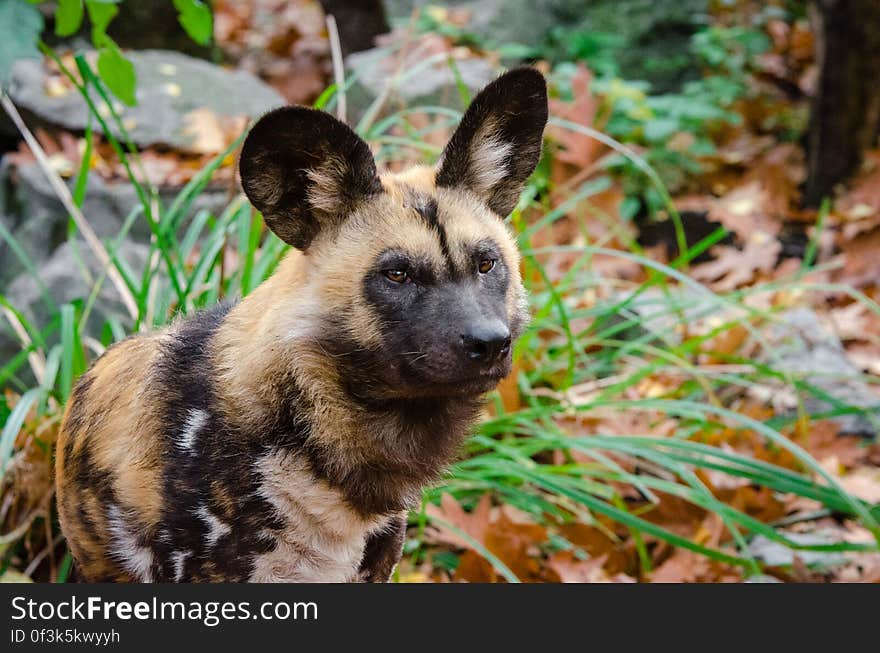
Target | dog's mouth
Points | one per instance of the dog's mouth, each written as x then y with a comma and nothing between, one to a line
473,383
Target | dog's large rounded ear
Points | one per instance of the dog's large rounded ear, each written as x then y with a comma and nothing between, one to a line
498,143
304,170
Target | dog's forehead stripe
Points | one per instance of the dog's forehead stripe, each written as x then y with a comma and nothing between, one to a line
426,208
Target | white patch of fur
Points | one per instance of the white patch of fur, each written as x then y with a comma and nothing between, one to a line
178,558
324,191
324,538
216,528
195,420
300,323
134,558
489,155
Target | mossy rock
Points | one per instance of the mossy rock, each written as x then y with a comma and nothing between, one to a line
653,35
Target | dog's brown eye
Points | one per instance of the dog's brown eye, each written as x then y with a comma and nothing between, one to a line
397,276
486,265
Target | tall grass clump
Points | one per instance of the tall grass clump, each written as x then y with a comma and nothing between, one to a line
592,351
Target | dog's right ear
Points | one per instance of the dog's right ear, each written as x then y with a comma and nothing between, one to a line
498,143
305,171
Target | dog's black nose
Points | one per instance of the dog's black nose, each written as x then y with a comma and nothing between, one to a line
486,342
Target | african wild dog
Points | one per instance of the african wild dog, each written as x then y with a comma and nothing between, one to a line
284,438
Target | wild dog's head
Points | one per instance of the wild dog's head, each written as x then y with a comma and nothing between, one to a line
414,275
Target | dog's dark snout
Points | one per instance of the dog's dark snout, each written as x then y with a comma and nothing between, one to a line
486,342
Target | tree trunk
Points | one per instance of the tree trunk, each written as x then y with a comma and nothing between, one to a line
845,114
359,22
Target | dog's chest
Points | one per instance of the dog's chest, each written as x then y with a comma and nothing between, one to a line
322,538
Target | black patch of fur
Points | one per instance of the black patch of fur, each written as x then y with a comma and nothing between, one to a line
217,474
276,157
383,552
516,105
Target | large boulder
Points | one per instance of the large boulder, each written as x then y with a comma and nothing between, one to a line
170,87
61,277
797,345
38,221
421,81
800,346
498,22
653,36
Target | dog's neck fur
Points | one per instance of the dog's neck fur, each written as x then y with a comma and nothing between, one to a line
274,377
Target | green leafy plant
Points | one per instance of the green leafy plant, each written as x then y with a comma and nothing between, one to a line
21,25
635,116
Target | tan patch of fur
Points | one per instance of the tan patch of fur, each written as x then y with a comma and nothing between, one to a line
90,546
127,442
122,438
222,499
419,177
324,193
269,330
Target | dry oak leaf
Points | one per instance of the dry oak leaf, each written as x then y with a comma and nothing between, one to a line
861,265
741,211
682,567
823,440
597,544
474,523
508,534
685,566
516,544
860,205
210,133
854,322
863,483
733,268
571,569
579,149
766,196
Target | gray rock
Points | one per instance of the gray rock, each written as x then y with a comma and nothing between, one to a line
170,85
38,221
775,554
61,277
653,35
762,579
497,22
801,346
419,84
797,345
657,315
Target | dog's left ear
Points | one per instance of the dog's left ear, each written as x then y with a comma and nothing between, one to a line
498,143
305,171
